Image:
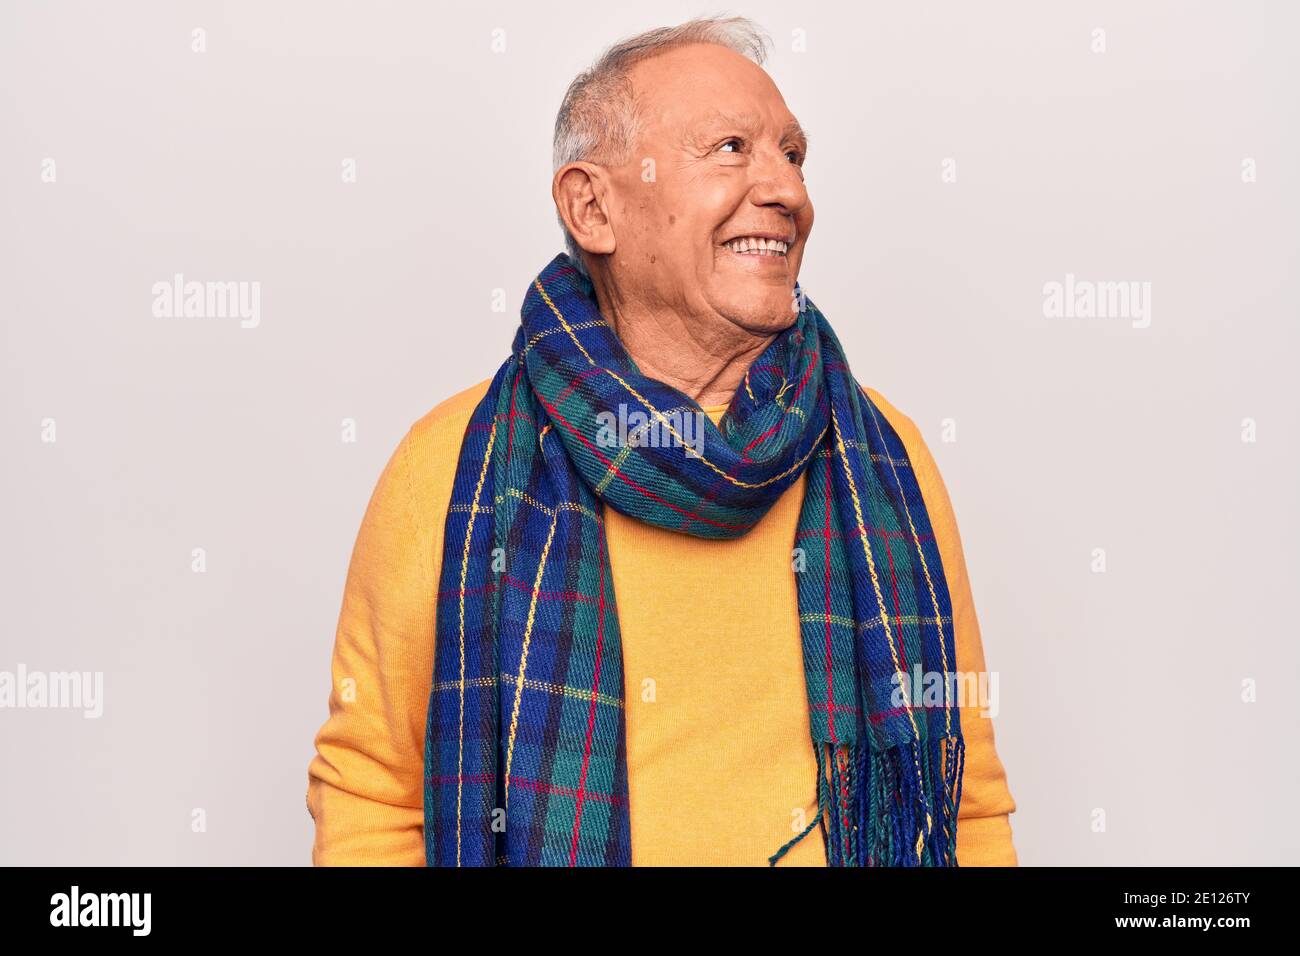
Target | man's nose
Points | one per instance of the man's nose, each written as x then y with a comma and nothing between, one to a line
779,182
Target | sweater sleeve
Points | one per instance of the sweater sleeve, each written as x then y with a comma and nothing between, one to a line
983,819
365,782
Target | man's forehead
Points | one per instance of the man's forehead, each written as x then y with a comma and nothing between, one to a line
704,85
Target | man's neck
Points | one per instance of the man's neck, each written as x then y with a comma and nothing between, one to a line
705,361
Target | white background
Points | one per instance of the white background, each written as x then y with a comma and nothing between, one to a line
1120,691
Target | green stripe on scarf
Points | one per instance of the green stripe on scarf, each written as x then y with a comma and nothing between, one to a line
526,742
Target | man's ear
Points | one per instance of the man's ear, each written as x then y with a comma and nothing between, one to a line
580,191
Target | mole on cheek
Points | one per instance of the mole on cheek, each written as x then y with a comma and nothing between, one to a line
652,260
672,220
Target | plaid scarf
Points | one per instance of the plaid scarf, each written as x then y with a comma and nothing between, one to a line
525,748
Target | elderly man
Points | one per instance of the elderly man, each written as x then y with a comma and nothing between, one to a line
671,587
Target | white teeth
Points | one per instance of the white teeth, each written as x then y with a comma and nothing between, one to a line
757,246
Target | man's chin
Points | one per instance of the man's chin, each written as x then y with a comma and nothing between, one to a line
761,314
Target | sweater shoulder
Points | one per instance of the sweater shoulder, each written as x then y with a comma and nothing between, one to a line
439,431
431,450
450,413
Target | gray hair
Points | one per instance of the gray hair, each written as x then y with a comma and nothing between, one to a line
598,119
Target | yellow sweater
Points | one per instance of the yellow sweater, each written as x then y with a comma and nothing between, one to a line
721,767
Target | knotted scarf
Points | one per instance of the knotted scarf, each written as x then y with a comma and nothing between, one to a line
525,746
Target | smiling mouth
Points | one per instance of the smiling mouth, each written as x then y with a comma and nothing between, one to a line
758,246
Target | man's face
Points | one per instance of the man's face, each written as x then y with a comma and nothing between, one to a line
717,167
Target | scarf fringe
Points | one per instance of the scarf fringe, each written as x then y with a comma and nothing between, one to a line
896,807
823,797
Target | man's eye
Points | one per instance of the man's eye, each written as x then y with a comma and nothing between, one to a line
796,157
730,142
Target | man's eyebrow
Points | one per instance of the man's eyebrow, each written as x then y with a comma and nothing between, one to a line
797,133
